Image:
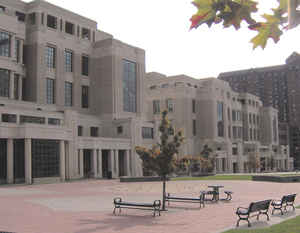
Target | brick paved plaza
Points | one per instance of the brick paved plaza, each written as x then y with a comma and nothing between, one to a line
86,207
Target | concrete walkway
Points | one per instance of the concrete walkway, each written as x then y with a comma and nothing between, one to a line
86,207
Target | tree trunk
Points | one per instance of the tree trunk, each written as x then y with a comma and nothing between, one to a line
164,194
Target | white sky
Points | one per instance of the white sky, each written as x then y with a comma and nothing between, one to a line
161,27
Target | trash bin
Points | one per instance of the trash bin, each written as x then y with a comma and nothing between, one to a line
109,174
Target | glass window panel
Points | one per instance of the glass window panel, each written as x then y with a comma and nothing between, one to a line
4,82
50,98
68,94
129,86
5,39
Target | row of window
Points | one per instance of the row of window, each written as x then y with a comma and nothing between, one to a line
12,118
5,84
50,93
169,105
5,46
50,60
166,85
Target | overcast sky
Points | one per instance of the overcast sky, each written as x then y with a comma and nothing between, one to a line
161,27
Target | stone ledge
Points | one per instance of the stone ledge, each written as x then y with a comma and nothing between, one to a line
141,179
279,179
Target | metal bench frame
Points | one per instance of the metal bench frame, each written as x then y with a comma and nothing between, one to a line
258,208
286,200
199,200
119,204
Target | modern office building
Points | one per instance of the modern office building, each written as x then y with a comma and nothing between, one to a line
234,125
279,87
71,97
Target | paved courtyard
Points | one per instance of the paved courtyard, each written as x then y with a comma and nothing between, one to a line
86,207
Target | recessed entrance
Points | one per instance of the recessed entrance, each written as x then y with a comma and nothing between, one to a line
19,161
3,160
87,163
105,163
122,165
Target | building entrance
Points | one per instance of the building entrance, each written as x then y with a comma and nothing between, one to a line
122,171
3,160
105,156
19,161
87,163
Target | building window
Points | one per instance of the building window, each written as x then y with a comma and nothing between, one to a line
5,39
68,61
85,97
194,128
42,18
31,18
69,28
53,121
233,115
194,106
50,56
16,86
234,132
51,21
32,119
68,94
220,119
9,118
2,8
20,16
17,50
250,118
80,131
50,97
156,107
94,131
86,33
170,105
85,65
229,131
147,132
274,129
129,86
4,82
234,151
120,130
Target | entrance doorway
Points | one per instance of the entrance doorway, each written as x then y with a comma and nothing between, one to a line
19,161
122,168
235,168
105,163
87,163
3,160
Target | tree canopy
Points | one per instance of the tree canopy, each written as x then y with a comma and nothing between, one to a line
232,12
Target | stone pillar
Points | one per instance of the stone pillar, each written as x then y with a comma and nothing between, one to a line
12,46
81,162
99,157
11,86
62,163
28,161
116,171
21,51
20,88
127,163
95,163
10,161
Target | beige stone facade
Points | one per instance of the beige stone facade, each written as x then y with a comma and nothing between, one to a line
235,125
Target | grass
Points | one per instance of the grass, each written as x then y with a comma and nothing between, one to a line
288,226
216,177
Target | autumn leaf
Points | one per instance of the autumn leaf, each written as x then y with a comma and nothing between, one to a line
206,13
269,29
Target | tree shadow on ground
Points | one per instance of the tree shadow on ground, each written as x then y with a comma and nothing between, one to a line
120,222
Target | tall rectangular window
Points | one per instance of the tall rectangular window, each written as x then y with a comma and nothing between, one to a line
85,97
68,61
170,105
85,65
5,39
50,56
129,86
147,132
94,131
68,94
16,86
4,82
51,21
50,97
194,106
17,50
31,18
156,107
220,119
80,130
69,28
194,128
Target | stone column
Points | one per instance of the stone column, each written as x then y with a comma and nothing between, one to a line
20,87
21,51
11,86
95,163
116,171
99,157
10,161
62,163
81,162
127,163
12,46
28,161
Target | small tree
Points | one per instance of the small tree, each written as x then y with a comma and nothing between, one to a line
161,157
254,162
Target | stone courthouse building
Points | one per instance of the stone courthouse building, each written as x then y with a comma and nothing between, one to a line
73,103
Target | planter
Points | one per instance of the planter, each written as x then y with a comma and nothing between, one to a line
279,179
141,179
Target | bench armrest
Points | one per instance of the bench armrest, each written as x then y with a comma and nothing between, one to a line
241,208
117,199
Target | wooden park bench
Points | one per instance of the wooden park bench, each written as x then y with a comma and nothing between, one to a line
254,209
286,200
120,204
199,199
